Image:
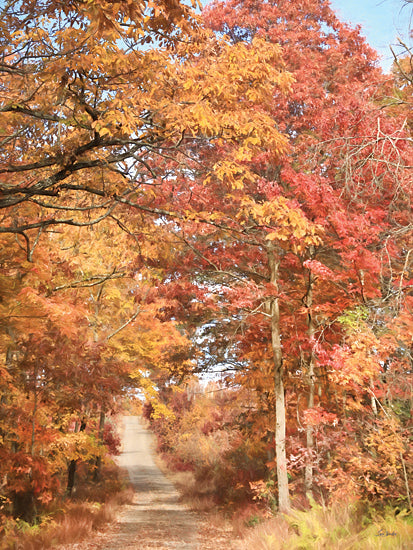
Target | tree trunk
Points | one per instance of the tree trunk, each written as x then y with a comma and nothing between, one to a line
24,506
71,471
33,436
280,454
308,474
71,475
98,461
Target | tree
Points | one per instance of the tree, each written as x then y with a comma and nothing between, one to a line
98,98
301,239
82,329
104,105
78,84
160,182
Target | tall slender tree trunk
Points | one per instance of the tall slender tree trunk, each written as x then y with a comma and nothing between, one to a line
33,437
34,413
309,467
280,426
101,429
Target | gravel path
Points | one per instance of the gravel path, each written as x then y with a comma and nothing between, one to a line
155,519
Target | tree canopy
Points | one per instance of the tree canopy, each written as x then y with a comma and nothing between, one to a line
179,192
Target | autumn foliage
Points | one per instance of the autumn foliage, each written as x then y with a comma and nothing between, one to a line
228,195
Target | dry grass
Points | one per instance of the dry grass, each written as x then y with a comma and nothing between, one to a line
93,507
339,527
270,535
245,517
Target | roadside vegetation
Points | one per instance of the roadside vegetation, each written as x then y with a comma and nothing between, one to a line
75,519
223,476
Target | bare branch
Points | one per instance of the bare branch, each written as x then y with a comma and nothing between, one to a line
91,281
125,324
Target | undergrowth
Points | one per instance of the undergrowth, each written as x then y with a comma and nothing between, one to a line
338,527
71,520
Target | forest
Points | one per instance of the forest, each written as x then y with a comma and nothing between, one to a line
208,210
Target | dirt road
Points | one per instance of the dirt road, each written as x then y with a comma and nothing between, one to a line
155,519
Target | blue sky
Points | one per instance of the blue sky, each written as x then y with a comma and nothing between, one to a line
382,22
